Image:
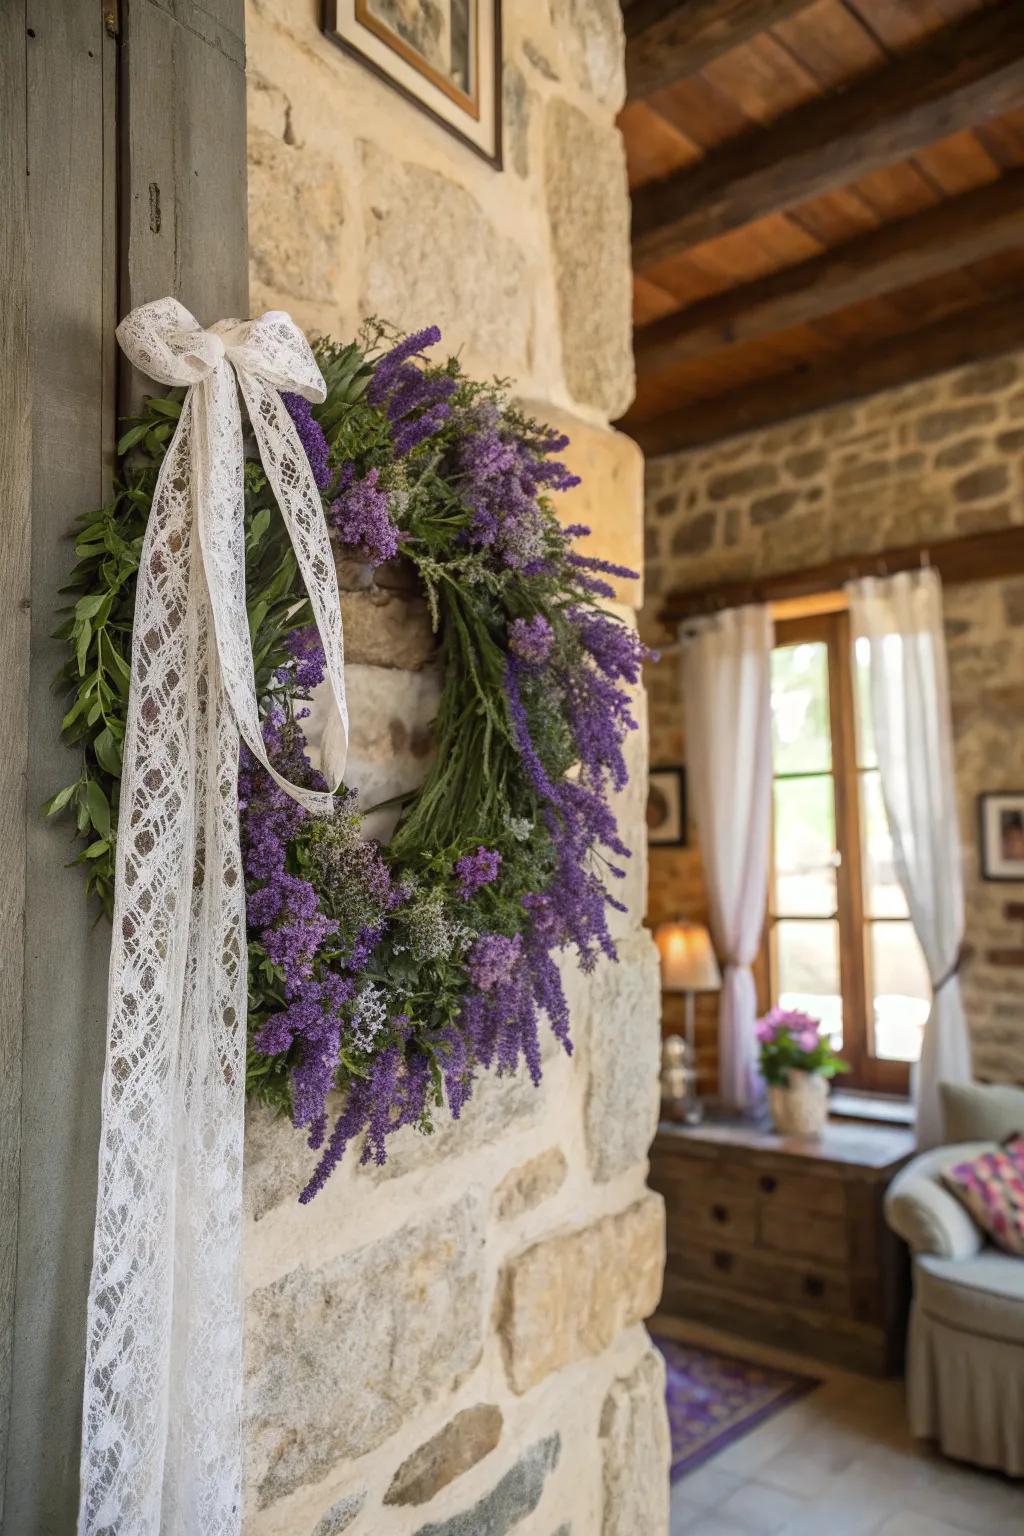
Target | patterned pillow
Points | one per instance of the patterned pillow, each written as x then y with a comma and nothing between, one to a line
991,1186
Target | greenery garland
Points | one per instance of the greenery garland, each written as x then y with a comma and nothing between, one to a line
395,973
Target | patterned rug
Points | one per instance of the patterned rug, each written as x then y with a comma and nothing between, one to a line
714,1399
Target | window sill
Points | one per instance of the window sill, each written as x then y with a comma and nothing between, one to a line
883,1108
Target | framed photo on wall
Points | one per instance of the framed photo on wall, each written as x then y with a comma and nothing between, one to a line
445,57
1001,834
666,808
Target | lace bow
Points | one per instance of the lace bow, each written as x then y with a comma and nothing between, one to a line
161,1440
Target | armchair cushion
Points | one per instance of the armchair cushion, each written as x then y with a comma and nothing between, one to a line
983,1295
991,1186
927,1216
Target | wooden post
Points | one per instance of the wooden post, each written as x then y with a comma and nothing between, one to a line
97,101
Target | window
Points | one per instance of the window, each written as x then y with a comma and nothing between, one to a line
839,939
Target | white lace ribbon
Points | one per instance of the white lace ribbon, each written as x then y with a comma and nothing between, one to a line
161,1438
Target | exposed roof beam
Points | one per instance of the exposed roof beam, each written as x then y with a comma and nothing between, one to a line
966,229
666,40
960,77
985,330
972,557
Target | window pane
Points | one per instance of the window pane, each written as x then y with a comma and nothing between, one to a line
867,757
902,993
807,972
800,726
883,896
805,844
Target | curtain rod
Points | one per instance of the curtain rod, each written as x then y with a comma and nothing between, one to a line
973,557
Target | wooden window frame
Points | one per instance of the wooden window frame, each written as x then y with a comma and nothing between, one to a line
867,1071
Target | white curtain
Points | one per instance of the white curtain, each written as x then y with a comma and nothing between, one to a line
727,704
900,619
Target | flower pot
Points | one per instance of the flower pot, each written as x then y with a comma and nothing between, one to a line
800,1108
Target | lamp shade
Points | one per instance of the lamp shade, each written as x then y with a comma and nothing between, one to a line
688,961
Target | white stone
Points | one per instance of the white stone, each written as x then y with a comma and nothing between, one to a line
634,1434
623,1046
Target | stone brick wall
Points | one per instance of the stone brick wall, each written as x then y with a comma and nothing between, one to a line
452,1344
930,461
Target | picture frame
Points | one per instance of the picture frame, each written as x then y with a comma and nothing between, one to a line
666,807
1001,834
445,58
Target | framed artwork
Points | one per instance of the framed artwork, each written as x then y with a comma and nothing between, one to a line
445,57
1001,835
666,808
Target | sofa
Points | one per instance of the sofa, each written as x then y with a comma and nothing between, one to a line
965,1351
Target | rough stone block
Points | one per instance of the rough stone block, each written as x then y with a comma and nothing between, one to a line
593,46
387,629
588,211
296,212
470,1436
530,1185
621,1111
510,1502
434,257
336,1360
569,1296
610,497
340,1516
635,1439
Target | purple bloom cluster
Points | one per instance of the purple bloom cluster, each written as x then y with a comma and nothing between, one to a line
311,437
531,639
502,475
361,517
308,666
418,403
475,870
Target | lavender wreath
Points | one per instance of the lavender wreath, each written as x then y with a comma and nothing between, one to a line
396,973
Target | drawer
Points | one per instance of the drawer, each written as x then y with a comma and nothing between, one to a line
755,1274
824,1196
708,1177
789,1230
712,1213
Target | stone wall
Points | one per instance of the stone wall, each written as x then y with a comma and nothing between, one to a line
931,461
453,1344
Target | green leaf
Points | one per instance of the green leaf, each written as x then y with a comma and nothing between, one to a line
88,607
99,808
131,437
82,646
60,800
96,850
164,407
108,753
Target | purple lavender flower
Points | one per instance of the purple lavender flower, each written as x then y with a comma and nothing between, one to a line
531,639
362,518
308,654
389,366
475,870
493,960
311,436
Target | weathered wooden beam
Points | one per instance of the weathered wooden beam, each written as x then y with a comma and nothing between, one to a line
944,239
985,330
666,40
963,76
973,557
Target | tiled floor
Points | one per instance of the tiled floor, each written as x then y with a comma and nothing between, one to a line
838,1463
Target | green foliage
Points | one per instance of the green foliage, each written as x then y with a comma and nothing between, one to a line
98,629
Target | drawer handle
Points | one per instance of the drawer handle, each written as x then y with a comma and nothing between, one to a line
814,1285
722,1260
769,1184
720,1214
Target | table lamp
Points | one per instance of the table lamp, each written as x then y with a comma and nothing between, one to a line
688,965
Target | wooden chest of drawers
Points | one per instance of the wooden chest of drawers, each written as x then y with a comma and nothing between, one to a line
783,1239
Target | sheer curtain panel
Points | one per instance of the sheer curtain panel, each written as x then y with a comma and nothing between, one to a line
727,704
897,623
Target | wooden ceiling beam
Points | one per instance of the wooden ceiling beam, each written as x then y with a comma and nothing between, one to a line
666,40
973,557
960,77
965,229
968,336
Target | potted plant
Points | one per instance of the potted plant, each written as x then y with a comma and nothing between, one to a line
796,1062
